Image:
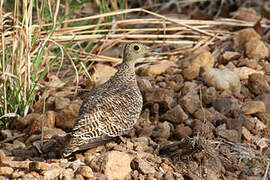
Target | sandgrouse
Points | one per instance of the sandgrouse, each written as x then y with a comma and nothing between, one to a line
111,109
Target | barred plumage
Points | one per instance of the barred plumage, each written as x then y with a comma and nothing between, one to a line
111,109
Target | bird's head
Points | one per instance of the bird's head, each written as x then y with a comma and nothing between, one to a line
134,51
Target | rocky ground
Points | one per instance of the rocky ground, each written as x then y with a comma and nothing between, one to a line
205,116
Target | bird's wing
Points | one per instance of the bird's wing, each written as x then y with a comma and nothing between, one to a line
109,114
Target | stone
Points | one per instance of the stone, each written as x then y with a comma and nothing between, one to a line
102,73
259,125
142,166
224,79
246,14
204,114
66,118
229,56
39,166
169,176
23,122
190,102
19,144
222,105
6,133
50,119
35,126
6,171
164,97
203,59
244,72
243,36
162,130
266,68
61,102
181,132
85,171
16,164
256,49
247,135
208,94
189,87
114,164
52,173
144,84
68,174
175,115
231,135
156,69
266,99
253,107
258,84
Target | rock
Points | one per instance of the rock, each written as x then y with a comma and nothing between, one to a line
163,97
243,36
204,115
253,107
39,166
67,116
266,68
102,73
85,171
206,129
262,143
247,135
144,84
246,14
169,176
222,105
264,117
244,72
175,115
61,102
156,69
52,173
68,174
35,126
208,94
229,56
250,41
258,124
266,99
256,49
181,132
50,119
190,102
6,133
223,79
231,135
114,164
257,84
189,87
142,166
203,59
23,122
24,165
6,171
19,144
162,130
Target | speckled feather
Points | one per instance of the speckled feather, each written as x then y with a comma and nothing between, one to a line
111,109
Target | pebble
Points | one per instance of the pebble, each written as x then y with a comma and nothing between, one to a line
175,115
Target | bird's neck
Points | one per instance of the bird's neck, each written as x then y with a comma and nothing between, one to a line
126,72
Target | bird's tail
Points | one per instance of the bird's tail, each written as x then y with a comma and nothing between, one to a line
77,143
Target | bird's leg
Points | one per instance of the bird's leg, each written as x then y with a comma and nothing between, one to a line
156,113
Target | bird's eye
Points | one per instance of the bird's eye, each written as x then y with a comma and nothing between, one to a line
136,48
